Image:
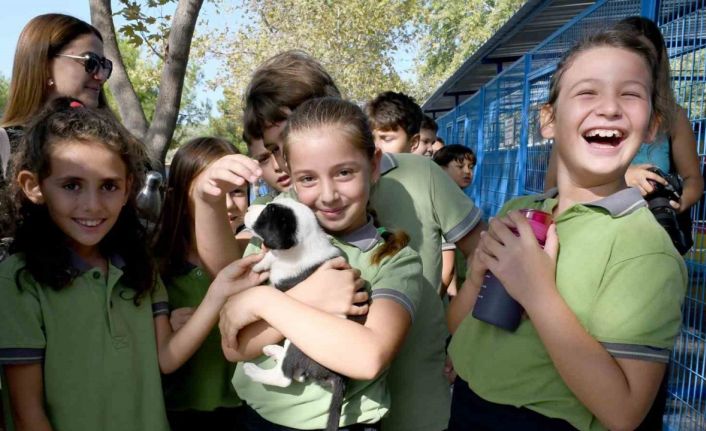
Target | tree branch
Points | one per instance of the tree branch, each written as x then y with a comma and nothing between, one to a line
176,60
129,106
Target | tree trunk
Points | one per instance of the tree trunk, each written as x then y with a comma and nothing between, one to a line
128,104
176,60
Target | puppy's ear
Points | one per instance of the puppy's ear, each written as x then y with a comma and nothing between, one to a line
277,226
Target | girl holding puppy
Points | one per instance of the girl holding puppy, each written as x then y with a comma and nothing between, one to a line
603,310
337,189
85,332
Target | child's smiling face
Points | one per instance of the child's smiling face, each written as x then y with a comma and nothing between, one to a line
332,177
601,116
85,192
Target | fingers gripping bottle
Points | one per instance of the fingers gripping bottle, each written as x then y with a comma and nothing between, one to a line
494,305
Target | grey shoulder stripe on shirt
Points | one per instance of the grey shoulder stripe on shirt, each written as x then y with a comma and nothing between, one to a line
396,296
160,308
635,351
465,226
21,356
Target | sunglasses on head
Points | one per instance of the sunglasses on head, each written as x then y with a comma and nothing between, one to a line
92,62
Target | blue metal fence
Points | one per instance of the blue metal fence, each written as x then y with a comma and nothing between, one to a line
501,124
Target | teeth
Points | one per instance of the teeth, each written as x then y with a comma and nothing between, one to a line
88,223
604,133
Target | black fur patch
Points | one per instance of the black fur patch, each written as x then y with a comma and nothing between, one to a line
297,362
277,226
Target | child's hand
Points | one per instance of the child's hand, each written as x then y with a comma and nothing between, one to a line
240,311
237,276
449,371
639,177
224,175
334,288
519,262
179,317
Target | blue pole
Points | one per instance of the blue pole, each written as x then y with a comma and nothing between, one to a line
649,9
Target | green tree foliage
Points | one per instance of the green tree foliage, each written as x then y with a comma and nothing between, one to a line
354,40
453,30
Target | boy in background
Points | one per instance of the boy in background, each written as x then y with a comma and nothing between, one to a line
427,137
395,119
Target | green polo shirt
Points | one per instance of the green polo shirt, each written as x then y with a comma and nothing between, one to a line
305,405
414,194
203,382
97,347
618,272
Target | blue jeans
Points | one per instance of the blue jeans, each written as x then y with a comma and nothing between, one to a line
471,412
254,422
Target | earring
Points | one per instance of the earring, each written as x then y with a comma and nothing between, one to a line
51,82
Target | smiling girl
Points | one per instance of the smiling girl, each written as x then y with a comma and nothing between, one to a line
604,310
337,189
84,331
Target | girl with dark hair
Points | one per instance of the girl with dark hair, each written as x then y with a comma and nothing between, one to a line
85,331
198,395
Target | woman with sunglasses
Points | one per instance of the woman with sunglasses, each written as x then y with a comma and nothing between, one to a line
57,55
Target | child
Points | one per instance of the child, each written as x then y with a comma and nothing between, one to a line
437,145
395,119
458,162
427,136
274,175
336,188
197,395
602,316
84,322
413,194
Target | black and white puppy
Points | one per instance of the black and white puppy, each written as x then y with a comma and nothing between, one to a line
297,247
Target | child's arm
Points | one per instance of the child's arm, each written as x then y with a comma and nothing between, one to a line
175,348
26,387
617,391
334,288
465,299
358,351
686,160
447,270
215,243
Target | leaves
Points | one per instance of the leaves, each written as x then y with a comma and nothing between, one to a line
453,30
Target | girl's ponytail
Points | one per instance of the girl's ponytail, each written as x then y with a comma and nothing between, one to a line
394,241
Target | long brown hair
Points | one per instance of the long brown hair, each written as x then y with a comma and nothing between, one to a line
174,231
41,39
350,119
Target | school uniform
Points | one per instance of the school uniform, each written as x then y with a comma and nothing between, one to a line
618,272
415,195
97,348
305,405
200,390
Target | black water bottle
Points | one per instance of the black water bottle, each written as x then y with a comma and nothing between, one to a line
494,305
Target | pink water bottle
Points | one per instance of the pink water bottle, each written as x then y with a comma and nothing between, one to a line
494,305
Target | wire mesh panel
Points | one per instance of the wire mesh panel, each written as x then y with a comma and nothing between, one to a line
683,25
502,115
538,148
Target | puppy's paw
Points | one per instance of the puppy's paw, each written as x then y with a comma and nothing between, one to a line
274,351
271,377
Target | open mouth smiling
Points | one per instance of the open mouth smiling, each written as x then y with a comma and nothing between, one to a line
604,137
